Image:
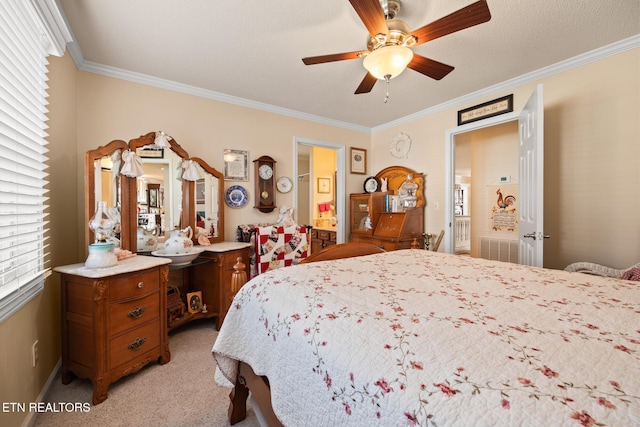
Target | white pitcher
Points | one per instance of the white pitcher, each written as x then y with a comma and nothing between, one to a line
179,241
147,239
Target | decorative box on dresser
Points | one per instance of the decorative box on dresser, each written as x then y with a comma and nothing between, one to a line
322,238
113,320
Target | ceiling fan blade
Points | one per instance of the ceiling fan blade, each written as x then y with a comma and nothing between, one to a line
474,14
331,58
367,84
430,68
371,15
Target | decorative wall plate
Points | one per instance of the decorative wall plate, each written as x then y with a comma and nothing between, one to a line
400,146
371,185
236,196
284,184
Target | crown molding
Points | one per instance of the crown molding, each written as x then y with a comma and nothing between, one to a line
55,28
145,79
568,64
577,61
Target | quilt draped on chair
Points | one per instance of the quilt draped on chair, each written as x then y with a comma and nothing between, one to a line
279,246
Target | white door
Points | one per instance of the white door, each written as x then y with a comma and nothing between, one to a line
531,153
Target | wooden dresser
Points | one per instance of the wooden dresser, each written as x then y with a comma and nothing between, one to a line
113,320
322,238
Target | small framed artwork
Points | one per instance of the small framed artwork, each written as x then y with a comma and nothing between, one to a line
153,197
236,165
194,301
324,185
150,153
358,160
200,191
486,110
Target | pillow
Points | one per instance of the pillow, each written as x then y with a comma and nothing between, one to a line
632,274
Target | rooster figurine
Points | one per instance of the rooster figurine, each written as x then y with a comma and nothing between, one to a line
506,202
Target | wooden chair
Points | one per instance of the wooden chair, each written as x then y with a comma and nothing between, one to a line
436,245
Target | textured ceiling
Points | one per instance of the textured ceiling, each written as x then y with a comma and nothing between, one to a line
252,50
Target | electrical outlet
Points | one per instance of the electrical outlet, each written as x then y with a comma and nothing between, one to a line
34,353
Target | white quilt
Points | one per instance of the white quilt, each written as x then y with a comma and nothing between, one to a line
414,337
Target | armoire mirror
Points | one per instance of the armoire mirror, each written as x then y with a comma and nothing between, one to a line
103,182
160,196
208,201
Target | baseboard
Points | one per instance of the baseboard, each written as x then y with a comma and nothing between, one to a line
31,417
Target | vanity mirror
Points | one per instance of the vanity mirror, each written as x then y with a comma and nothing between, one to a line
207,197
103,183
157,202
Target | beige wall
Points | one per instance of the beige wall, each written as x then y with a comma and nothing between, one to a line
40,318
592,152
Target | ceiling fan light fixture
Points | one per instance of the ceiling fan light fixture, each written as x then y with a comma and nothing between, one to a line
388,61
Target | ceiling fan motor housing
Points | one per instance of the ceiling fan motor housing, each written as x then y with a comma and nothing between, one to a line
390,7
398,31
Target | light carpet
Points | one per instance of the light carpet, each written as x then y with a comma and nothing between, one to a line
180,393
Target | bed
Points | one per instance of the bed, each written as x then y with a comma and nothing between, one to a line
415,337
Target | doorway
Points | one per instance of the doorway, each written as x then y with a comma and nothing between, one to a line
528,218
486,163
316,186
463,135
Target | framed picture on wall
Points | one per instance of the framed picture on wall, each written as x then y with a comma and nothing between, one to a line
358,161
236,165
153,197
324,185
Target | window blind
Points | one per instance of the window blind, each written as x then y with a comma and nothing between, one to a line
23,176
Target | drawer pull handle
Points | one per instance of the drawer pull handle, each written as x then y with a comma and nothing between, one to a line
140,284
136,312
137,343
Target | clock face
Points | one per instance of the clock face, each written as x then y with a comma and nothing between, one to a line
265,172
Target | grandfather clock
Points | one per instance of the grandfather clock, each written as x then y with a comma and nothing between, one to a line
265,194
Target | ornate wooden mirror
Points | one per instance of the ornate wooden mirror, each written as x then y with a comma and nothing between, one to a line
207,199
160,197
103,182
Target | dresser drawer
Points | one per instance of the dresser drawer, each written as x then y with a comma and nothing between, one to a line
129,314
134,285
127,347
323,234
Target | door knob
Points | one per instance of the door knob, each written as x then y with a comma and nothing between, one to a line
533,236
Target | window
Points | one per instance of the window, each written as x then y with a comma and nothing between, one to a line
24,46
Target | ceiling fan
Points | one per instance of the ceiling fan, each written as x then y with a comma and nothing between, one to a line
388,50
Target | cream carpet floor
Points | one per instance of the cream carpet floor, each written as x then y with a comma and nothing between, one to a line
180,393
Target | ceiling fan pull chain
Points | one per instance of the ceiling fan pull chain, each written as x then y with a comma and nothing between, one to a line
387,78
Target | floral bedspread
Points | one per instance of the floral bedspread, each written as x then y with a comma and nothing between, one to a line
414,337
